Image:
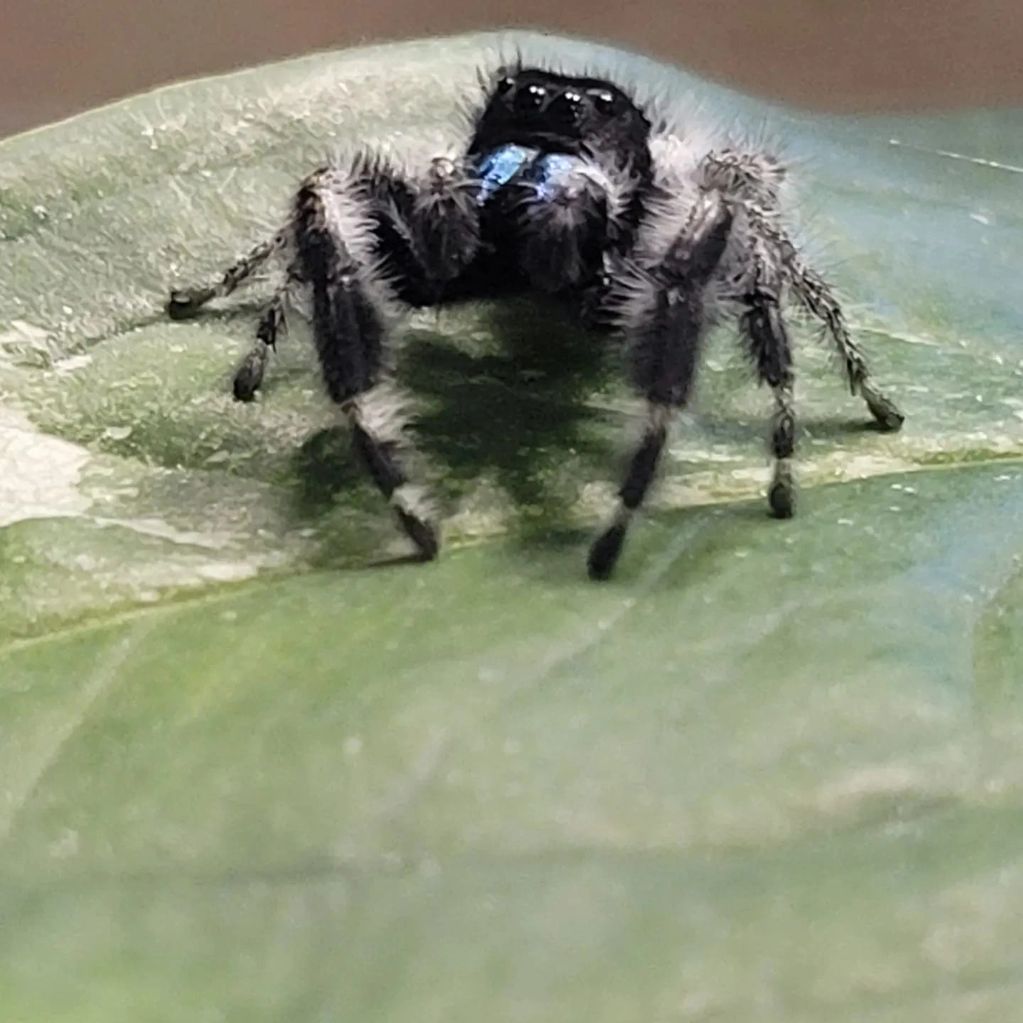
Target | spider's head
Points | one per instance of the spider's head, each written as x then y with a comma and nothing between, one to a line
560,113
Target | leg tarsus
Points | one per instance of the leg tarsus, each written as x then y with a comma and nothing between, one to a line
248,378
380,455
186,302
882,408
815,294
605,550
781,496
421,532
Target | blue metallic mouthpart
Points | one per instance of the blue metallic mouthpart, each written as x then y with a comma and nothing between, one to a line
551,172
500,166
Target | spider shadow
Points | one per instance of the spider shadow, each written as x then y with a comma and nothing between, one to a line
520,414
504,424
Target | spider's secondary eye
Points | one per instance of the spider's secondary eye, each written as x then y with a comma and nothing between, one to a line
530,98
603,100
504,84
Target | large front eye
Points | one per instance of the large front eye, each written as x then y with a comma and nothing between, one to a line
566,107
603,100
530,98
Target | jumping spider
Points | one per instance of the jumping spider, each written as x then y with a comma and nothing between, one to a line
565,186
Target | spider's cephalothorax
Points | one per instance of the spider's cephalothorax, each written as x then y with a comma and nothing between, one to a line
560,114
564,187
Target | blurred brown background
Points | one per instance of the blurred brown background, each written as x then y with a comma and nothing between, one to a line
61,56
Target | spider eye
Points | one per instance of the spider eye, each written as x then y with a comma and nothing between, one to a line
530,98
603,100
504,85
567,105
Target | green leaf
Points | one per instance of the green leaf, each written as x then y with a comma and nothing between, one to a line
772,771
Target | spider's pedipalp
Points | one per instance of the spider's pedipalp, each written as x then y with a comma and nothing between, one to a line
443,219
562,222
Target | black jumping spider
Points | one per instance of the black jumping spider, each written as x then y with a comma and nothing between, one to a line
565,186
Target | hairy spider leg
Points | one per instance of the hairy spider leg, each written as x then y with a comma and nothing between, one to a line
819,300
432,231
814,293
665,324
186,302
768,343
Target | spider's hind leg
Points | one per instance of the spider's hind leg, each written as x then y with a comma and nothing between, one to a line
818,298
185,302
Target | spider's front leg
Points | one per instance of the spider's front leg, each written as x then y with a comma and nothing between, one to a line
352,227
665,322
